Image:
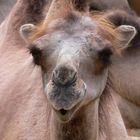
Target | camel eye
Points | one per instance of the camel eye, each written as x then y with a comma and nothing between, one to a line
103,60
104,56
36,53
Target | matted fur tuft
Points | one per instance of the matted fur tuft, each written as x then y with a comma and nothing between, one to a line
106,28
105,25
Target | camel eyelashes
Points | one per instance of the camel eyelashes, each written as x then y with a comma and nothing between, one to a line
104,56
36,53
103,60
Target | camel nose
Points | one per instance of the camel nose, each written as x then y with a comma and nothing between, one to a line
64,75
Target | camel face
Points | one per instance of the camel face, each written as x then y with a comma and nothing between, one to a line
75,63
74,54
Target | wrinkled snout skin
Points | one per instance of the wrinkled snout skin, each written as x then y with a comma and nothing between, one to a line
67,87
65,90
66,97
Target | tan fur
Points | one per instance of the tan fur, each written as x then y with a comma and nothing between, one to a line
105,25
5,7
24,110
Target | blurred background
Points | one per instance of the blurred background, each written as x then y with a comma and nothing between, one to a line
6,5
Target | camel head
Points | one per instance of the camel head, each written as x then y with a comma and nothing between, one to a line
74,50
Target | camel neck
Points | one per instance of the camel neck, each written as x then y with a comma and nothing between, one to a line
83,126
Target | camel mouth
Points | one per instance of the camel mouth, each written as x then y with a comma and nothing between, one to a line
63,111
65,101
66,115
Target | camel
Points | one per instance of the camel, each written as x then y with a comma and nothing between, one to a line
126,93
6,5
128,103
18,42
26,110
125,83
121,71
23,107
58,78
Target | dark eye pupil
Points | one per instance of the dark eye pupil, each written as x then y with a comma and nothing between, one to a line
36,53
104,55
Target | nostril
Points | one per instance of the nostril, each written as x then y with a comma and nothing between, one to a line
55,76
55,73
72,73
73,76
63,76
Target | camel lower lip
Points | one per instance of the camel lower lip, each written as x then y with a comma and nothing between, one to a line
65,115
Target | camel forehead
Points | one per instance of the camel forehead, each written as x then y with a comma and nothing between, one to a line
74,41
72,31
74,23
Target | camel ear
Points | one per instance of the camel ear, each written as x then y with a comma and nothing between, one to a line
126,35
26,31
